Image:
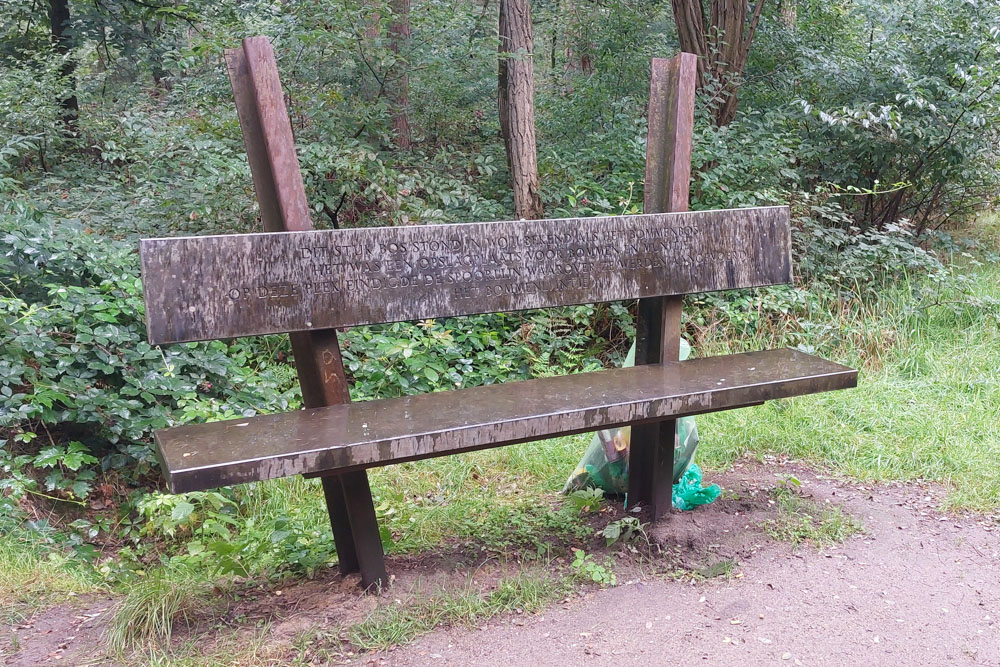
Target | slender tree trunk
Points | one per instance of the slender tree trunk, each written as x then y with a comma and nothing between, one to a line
62,42
579,45
160,75
789,14
516,100
721,41
399,92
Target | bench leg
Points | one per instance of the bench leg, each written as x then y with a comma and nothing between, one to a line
355,528
336,507
638,465
651,466
661,484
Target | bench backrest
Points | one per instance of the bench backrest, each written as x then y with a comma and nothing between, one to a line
208,287
298,281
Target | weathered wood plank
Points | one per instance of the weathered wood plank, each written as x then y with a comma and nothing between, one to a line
270,146
245,284
658,328
373,433
253,141
276,133
671,126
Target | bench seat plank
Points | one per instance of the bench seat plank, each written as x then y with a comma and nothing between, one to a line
374,433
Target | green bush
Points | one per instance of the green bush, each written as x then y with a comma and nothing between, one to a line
893,102
77,378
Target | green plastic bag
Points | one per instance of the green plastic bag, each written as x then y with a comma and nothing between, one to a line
688,492
605,463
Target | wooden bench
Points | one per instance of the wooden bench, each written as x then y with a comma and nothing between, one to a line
310,283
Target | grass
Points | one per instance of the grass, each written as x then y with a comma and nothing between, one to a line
33,577
143,626
487,498
722,568
503,501
803,521
929,410
146,617
393,624
217,648
396,622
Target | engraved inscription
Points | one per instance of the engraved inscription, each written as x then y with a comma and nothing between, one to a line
329,366
203,287
490,267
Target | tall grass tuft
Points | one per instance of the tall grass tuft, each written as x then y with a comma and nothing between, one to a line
151,611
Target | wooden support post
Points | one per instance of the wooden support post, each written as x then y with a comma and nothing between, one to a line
658,326
270,146
364,530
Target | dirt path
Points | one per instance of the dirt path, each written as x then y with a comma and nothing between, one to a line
68,634
917,587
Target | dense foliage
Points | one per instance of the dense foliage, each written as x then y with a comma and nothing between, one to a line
875,119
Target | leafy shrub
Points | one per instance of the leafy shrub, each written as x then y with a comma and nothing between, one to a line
430,355
750,162
78,382
586,568
225,532
29,117
901,104
832,249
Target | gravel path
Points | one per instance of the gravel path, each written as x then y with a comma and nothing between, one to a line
917,588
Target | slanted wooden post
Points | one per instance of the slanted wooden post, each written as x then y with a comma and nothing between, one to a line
658,329
267,135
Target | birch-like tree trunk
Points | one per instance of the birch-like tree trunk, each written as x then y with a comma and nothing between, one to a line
789,14
516,100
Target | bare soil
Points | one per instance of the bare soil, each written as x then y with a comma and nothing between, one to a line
68,634
918,586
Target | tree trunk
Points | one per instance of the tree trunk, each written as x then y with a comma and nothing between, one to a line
62,42
789,14
579,49
516,100
399,92
721,41
160,75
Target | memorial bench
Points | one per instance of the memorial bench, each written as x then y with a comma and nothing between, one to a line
310,283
